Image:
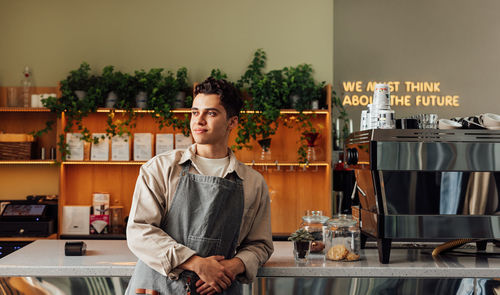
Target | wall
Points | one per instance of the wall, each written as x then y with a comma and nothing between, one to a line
455,42
54,37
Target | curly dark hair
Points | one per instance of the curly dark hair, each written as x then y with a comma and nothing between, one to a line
230,97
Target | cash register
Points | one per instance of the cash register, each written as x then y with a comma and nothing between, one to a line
22,221
28,218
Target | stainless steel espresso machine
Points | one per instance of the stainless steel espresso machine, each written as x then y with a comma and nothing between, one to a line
426,185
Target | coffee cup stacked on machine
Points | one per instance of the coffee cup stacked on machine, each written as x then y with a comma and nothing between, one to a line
379,114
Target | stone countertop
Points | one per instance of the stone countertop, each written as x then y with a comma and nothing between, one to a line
411,263
113,258
44,258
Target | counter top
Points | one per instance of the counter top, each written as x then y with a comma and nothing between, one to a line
113,258
46,258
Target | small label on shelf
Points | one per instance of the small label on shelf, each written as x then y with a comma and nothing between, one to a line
120,148
100,150
182,141
142,146
164,142
75,146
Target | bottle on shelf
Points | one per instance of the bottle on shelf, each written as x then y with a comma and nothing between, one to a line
26,83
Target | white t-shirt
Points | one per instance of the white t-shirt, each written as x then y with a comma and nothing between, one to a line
212,167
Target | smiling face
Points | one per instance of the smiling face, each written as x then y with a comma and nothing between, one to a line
209,122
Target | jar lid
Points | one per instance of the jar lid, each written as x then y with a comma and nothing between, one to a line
315,218
342,220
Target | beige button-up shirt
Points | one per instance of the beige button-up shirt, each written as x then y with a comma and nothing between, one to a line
153,195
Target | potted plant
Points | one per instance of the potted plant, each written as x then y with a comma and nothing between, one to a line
114,84
301,244
182,99
75,106
146,83
304,92
268,92
79,80
163,100
218,74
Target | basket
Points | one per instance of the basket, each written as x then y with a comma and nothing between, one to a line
15,146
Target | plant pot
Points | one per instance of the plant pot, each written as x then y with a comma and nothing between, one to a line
301,250
265,144
111,100
311,138
294,100
180,100
80,94
315,104
141,99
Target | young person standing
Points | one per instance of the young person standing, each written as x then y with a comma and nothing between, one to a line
200,219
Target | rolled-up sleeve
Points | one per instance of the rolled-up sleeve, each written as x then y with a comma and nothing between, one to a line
256,248
145,237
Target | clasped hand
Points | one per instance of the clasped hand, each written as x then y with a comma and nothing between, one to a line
216,274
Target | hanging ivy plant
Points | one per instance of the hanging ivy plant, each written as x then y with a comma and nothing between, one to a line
163,97
75,105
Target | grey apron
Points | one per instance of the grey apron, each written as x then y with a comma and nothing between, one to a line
205,216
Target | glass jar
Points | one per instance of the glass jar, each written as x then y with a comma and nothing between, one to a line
314,223
301,250
342,239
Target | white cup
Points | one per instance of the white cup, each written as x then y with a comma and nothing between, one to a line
448,124
385,119
364,120
35,101
490,120
382,96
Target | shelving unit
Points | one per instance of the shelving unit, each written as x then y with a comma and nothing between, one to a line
294,187
21,178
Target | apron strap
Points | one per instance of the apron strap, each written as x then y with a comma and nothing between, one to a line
185,167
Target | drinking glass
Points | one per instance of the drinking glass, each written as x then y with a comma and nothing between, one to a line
12,97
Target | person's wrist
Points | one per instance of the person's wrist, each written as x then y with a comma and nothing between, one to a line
191,264
239,265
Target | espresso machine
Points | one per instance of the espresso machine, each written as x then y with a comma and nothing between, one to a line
426,185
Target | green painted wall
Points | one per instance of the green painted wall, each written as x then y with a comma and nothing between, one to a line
54,37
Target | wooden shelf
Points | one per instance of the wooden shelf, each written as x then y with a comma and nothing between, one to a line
188,111
288,164
28,162
27,110
134,163
27,239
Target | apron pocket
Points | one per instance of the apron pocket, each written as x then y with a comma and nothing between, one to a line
204,247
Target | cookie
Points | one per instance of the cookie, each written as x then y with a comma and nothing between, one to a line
337,252
352,256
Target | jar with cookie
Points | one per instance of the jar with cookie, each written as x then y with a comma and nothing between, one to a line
342,239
